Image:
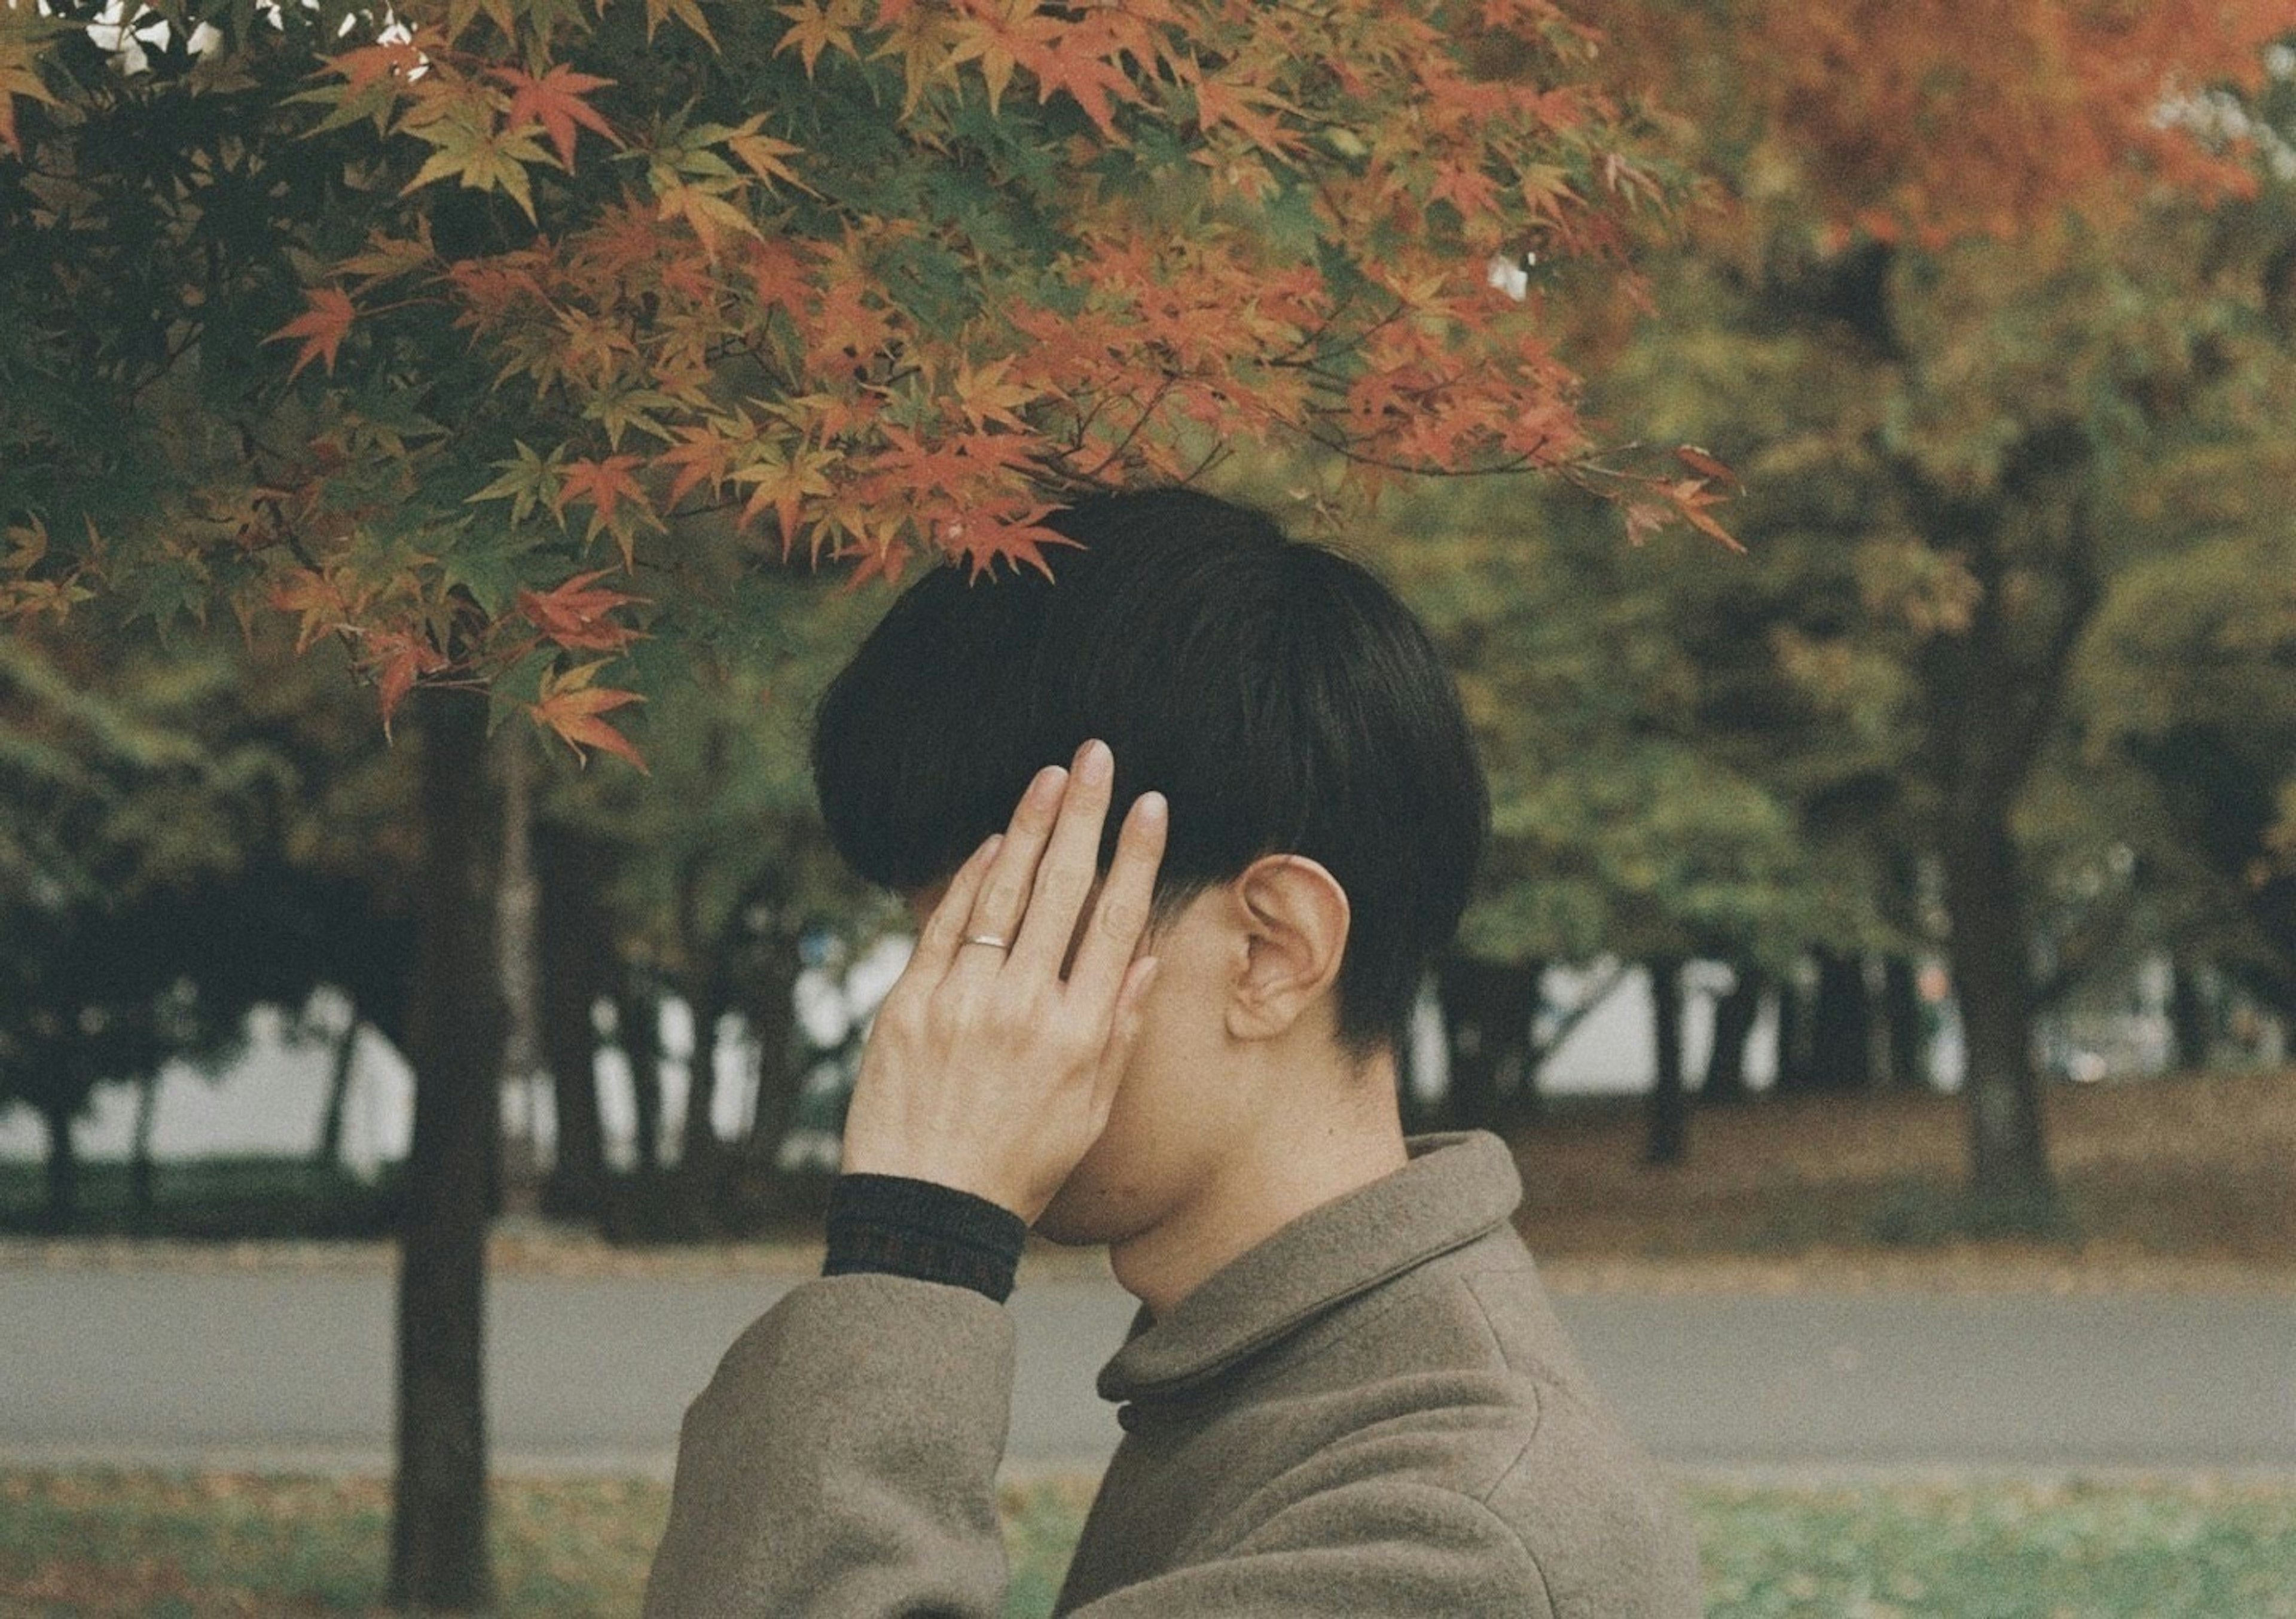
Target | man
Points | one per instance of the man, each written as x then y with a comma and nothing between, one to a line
1159,1012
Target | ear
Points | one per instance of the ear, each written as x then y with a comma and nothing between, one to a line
1292,916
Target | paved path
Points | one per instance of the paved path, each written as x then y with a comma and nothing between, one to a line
274,1369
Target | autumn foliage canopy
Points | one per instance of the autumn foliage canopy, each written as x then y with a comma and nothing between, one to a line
522,332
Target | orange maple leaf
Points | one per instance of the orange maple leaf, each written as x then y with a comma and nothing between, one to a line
554,101
571,705
324,323
604,484
399,658
574,614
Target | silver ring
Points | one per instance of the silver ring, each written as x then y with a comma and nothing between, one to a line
1001,944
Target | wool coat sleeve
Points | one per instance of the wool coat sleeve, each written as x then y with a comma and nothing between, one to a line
843,1460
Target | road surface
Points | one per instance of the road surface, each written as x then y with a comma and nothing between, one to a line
291,1371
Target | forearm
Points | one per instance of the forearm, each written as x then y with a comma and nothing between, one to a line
843,1459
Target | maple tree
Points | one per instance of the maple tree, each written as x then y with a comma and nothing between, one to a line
576,306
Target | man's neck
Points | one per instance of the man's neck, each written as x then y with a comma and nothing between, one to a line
1300,1158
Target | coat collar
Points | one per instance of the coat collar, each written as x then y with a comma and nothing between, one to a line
1455,1188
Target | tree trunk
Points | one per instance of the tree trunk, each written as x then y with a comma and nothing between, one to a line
1994,693
1487,1007
575,950
518,1156
1901,1019
698,1156
2191,1027
637,1026
63,1177
1794,1071
143,1191
438,1549
329,1151
1735,1017
1668,1138
773,1019
1842,1024
1992,978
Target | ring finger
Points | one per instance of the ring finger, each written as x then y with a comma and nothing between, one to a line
1004,897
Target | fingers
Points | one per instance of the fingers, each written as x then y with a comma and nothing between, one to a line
1121,915
1071,861
1004,895
947,924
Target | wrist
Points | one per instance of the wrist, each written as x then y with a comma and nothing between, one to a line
899,1226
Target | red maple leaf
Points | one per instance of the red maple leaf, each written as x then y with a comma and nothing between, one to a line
554,101
604,484
324,323
575,615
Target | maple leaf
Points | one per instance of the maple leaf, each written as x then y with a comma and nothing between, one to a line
782,483
1247,107
554,101
472,148
574,614
324,323
312,594
604,484
702,455
762,154
687,11
399,658
1690,497
570,705
986,394
1079,61
1704,462
814,27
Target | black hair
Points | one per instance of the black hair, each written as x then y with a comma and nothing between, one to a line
1277,693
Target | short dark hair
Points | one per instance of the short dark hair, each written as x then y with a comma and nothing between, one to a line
1277,693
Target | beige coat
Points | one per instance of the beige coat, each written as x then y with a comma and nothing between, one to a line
1374,1412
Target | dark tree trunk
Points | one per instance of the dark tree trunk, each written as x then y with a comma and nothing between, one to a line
637,1026
1992,983
1795,1073
438,1551
1668,1138
699,1144
329,1151
143,1188
2190,1028
1993,692
575,952
1487,1007
63,1177
1842,1024
1735,1016
1901,1018
699,1157
773,1018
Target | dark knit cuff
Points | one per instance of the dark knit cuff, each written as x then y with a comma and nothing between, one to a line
896,1226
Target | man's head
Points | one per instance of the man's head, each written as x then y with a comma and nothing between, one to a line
1327,807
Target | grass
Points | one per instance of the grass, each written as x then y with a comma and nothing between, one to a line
2191,1170
157,1546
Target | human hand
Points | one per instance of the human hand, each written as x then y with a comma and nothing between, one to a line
985,1069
